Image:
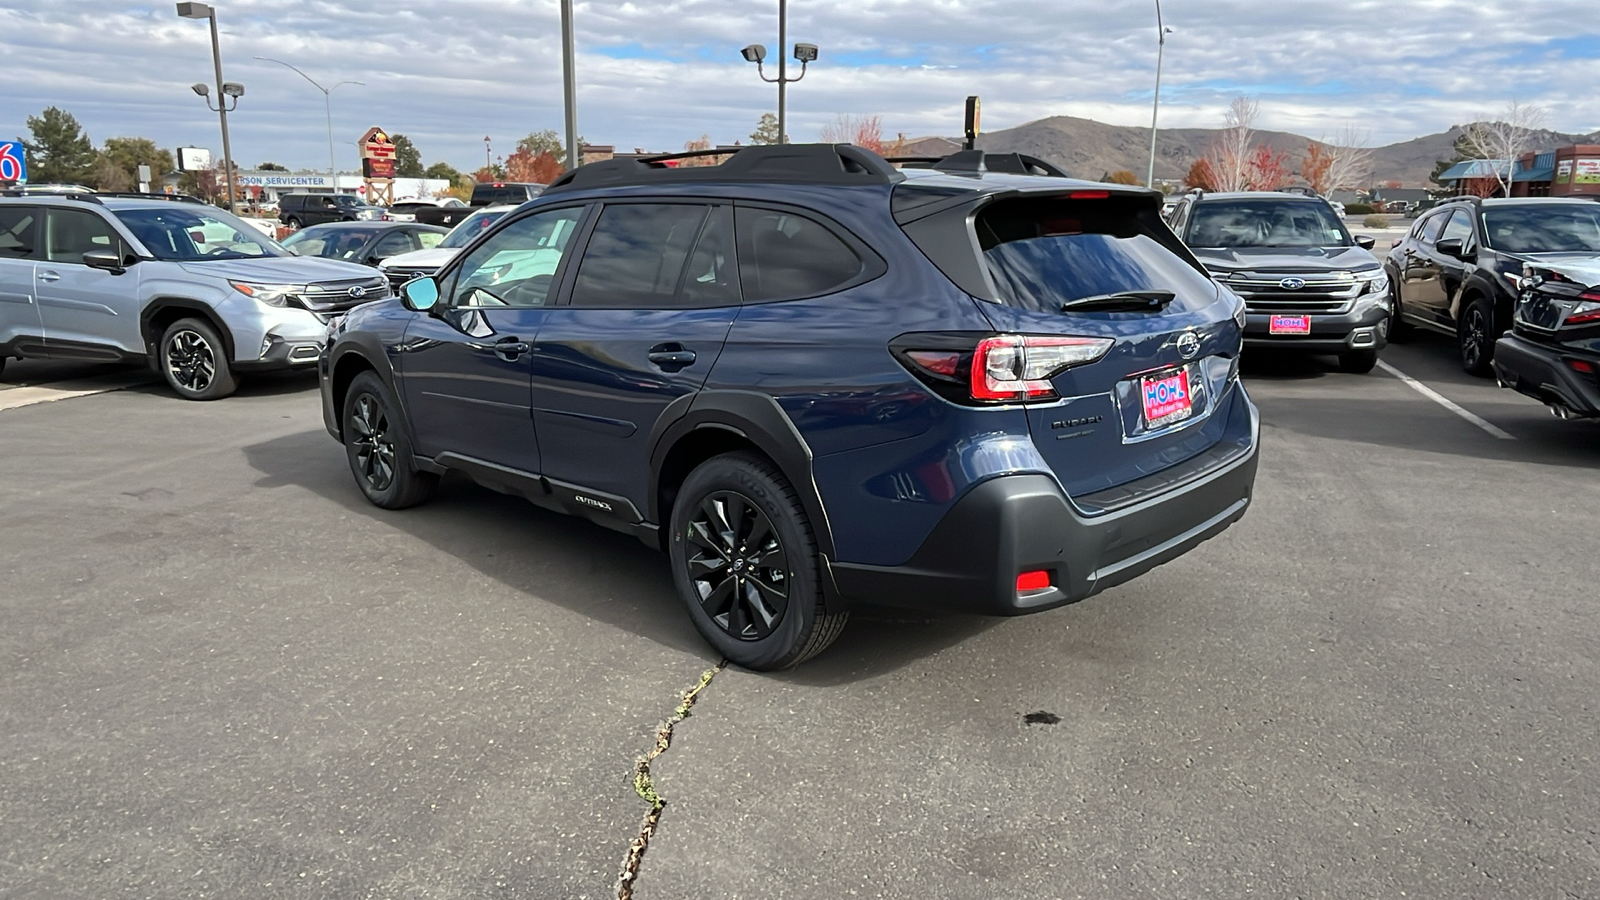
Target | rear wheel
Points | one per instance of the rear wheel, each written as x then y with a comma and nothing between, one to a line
194,360
378,449
745,562
1358,362
1475,335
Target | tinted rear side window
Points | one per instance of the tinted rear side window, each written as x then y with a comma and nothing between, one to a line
635,258
19,228
1044,252
783,256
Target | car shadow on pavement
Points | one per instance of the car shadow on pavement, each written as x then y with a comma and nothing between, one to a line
260,384
602,574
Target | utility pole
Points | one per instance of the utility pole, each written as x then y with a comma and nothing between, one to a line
1161,45
569,85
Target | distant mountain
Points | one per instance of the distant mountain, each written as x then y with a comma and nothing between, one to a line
1089,149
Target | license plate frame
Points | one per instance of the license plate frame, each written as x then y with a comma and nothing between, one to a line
1176,405
1289,324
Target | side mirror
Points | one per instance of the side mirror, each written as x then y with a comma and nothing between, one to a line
109,260
420,294
1366,241
1449,247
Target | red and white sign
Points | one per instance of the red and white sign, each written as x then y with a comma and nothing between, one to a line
1289,325
1166,397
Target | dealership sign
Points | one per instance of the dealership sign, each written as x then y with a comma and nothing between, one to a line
285,181
13,161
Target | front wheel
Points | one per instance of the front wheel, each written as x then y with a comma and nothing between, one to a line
745,562
293,223
1476,337
378,449
1358,362
1399,328
194,360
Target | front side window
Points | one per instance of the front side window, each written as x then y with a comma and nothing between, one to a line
783,256
635,258
429,239
394,243
329,242
516,267
1266,223
188,233
1429,230
74,232
1044,253
1544,229
1458,228
19,226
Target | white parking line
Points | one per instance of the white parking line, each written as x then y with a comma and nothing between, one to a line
1445,402
14,398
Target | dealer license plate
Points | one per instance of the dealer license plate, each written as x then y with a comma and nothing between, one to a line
1166,398
1289,325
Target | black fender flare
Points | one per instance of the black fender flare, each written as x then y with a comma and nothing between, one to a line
370,350
757,418
1501,303
203,310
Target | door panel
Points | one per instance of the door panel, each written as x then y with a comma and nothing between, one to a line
79,305
20,246
1421,287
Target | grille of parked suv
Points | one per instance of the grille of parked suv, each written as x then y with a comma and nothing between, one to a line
399,276
1266,293
337,296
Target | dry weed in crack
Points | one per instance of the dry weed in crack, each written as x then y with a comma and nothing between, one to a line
645,787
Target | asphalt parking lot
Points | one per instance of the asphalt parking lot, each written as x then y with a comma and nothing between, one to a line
223,674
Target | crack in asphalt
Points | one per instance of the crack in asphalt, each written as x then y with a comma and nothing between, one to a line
645,787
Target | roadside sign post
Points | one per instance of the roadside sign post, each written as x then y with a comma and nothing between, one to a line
13,162
974,109
144,179
377,167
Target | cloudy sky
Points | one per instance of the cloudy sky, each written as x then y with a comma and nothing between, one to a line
657,73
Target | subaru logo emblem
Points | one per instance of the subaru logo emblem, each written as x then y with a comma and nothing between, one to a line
357,292
1188,345
1292,284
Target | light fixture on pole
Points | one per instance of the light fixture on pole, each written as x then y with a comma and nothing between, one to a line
224,89
803,53
1161,45
327,104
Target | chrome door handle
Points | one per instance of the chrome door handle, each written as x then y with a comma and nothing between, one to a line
49,276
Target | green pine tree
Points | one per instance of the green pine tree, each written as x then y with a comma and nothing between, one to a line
766,130
60,153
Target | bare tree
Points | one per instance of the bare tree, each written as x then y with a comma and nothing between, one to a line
1506,139
1349,159
1229,155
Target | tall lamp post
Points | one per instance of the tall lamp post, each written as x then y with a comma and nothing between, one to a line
327,103
804,53
569,86
224,89
1161,45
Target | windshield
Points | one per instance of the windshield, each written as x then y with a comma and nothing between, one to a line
346,200
470,227
1266,223
1543,229
329,243
1045,253
183,232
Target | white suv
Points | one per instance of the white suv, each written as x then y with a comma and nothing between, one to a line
196,293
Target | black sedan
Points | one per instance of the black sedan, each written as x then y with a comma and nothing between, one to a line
368,243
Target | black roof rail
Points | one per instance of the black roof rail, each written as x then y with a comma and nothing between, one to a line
80,196
978,161
152,195
841,164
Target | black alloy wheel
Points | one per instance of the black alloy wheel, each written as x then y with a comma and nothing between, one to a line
194,361
746,564
377,448
737,566
1476,337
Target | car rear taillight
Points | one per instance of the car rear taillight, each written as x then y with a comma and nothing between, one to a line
1587,310
977,368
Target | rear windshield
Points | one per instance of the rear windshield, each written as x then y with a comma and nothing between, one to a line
1042,253
1266,223
1543,229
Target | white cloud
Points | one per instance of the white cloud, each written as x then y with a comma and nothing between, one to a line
658,73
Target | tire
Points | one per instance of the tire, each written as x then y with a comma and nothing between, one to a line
1399,329
377,448
194,360
756,614
293,223
1475,337
1358,362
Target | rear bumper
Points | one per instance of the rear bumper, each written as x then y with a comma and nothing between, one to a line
1022,523
1364,328
1541,372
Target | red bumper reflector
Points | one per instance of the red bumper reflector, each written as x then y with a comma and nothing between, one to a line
1033,581
1579,365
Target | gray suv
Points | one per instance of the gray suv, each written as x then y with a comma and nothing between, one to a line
194,292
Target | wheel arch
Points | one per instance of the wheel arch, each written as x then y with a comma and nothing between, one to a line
159,314
350,360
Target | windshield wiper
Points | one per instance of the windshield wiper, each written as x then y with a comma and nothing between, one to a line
1125,301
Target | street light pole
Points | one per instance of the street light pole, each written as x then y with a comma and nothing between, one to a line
805,53
205,11
327,103
569,85
1155,108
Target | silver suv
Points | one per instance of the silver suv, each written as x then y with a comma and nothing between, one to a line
199,295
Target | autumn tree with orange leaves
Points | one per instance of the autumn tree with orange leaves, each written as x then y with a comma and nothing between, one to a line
1267,169
535,168
1315,167
863,131
1201,175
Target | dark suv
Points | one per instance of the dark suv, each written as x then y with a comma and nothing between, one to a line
1307,283
1456,271
814,379
299,210
502,192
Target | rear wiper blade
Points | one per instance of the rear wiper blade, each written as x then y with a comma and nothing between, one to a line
1125,301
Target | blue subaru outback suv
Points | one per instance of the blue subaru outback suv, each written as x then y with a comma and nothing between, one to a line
815,379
